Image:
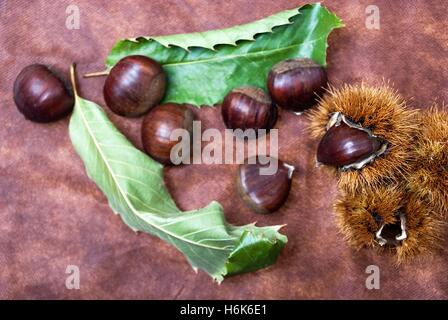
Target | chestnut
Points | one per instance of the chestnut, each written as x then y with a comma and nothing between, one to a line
248,108
294,84
264,193
40,95
347,145
158,125
134,85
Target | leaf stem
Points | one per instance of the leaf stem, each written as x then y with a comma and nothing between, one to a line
96,74
73,78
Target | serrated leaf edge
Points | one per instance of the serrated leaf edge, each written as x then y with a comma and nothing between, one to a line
167,43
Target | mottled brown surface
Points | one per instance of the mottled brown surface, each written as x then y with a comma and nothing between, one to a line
52,215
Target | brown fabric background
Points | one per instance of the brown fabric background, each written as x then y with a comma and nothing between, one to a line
52,215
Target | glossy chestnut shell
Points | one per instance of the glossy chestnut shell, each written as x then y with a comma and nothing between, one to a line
158,125
295,84
264,193
248,108
342,145
134,85
347,145
40,95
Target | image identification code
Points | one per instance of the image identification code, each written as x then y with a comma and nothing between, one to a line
236,309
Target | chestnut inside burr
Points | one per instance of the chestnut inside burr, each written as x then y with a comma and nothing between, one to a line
392,234
347,145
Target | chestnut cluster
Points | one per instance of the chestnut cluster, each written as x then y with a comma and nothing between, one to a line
136,85
294,85
391,163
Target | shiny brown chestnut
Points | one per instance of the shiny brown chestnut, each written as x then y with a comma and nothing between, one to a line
248,108
159,124
348,145
134,85
264,191
40,95
294,84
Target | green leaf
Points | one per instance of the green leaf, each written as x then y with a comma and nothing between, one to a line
203,67
231,36
133,184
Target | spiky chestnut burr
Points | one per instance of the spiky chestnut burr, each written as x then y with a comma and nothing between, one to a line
429,179
425,230
360,217
390,218
377,147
